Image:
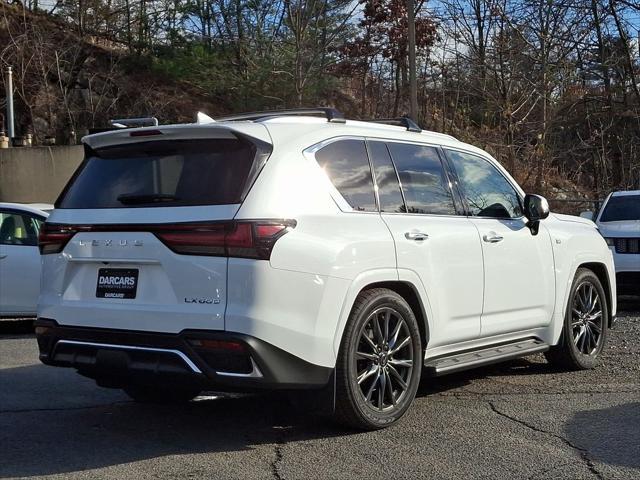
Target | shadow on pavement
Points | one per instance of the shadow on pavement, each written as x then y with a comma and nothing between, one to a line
516,367
106,429
54,422
629,305
11,326
610,434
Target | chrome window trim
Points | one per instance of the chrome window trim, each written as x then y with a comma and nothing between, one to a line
343,205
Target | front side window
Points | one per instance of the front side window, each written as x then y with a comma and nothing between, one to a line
424,182
487,191
622,208
19,229
346,164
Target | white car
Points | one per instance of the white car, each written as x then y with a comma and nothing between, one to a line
20,258
286,250
619,223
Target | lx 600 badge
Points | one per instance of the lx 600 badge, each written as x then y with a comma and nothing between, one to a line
202,301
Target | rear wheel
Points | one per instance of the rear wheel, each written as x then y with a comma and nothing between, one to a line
585,325
148,394
380,361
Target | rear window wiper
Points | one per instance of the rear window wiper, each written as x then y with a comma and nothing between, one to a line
135,198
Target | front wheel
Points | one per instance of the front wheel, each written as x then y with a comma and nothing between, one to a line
585,325
380,361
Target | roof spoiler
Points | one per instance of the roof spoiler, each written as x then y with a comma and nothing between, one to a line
134,122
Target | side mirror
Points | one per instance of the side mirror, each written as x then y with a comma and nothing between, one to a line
587,214
536,208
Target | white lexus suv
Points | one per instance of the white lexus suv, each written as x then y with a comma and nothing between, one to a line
296,250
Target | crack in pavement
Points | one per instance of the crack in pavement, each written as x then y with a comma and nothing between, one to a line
472,394
278,452
583,452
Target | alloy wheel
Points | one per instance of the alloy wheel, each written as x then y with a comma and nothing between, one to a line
586,318
384,358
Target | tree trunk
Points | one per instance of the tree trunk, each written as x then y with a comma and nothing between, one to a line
413,82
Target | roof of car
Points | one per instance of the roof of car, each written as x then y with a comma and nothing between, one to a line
622,193
299,129
310,122
378,127
41,209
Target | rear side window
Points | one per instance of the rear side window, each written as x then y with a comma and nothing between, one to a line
162,173
424,182
389,193
346,164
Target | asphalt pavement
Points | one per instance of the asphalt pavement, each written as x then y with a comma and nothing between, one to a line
517,420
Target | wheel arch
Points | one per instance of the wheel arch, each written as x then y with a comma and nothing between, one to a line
409,292
600,271
406,289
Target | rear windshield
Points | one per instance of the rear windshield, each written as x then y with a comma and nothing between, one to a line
162,173
625,207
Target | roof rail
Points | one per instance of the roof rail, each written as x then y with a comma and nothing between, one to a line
331,114
405,122
134,122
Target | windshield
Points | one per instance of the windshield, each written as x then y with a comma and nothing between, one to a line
622,208
162,173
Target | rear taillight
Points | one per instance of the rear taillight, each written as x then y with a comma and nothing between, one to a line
245,239
53,238
250,239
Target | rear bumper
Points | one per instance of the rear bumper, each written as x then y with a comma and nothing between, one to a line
210,360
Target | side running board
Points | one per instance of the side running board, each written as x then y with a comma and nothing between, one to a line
484,356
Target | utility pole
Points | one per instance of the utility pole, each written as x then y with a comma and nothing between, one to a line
10,131
413,83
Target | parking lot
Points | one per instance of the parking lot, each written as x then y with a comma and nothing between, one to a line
516,420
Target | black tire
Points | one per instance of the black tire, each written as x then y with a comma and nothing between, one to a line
388,364
160,395
583,334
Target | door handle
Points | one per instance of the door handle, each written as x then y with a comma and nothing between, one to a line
414,235
3,255
492,237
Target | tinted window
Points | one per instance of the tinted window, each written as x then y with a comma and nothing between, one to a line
486,190
626,207
346,163
162,173
18,229
425,187
386,179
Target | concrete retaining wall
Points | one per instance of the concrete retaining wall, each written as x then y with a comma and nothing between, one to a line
38,174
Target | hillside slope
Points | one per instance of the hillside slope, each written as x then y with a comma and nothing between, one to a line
65,84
